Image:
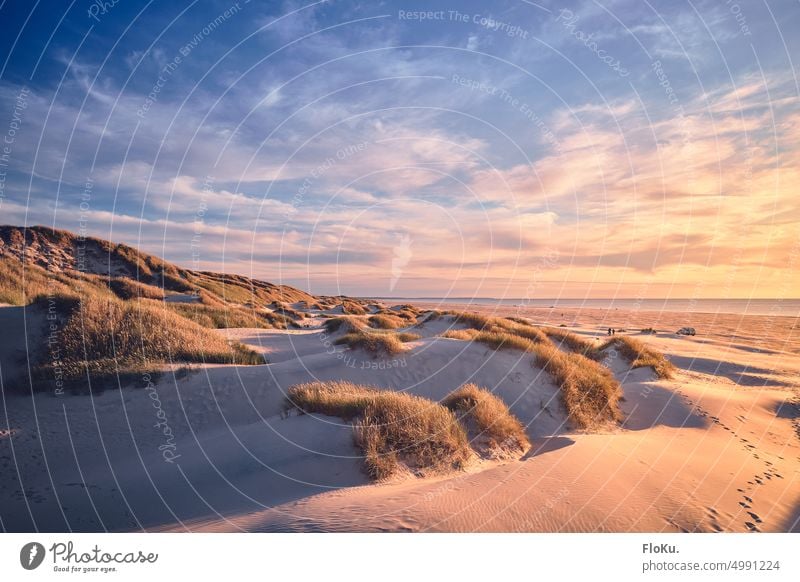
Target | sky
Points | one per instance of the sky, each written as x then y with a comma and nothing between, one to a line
517,149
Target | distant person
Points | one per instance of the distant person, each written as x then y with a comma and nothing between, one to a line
609,331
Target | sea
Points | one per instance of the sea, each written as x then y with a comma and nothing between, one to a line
770,307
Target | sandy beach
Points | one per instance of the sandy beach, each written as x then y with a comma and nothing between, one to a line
715,448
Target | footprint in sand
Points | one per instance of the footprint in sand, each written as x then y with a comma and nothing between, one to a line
755,517
751,526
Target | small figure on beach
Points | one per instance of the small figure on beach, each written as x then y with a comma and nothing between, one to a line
609,331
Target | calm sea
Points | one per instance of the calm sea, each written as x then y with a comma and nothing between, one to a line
772,307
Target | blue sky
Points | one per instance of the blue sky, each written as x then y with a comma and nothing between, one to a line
520,149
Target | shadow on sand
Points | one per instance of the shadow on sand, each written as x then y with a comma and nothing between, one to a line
547,445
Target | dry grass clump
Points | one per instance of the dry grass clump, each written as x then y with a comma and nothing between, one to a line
337,398
375,343
514,326
282,309
22,284
343,323
393,429
240,290
126,288
407,314
528,332
641,355
589,391
490,417
573,341
461,334
386,322
497,338
105,336
504,340
224,316
474,320
407,336
352,308
428,316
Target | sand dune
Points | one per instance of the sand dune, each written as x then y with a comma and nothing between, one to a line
717,448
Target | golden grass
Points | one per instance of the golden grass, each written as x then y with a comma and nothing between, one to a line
23,284
504,340
573,341
106,336
372,342
72,252
352,308
344,323
393,429
126,288
461,334
490,417
222,316
407,314
485,323
242,290
286,310
386,322
588,390
528,332
474,320
641,355
407,336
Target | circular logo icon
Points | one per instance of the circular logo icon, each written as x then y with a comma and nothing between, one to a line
31,555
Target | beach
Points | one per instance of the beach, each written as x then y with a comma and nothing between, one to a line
714,448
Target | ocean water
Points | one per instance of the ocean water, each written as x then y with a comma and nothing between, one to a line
771,307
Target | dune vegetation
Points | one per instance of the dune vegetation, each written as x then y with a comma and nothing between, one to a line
125,288
224,316
103,337
589,392
489,417
461,334
641,355
572,341
343,323
386,321
394,430
376,343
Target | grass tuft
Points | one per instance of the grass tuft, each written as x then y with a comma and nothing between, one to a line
343,323
407,336
641,355
461,334
588,390
104,337
375,343
573,341
386,322
490,416
393,429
